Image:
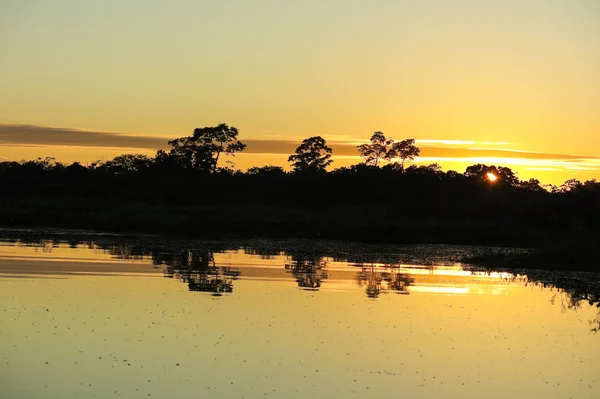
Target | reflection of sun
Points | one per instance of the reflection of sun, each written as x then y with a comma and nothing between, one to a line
492,177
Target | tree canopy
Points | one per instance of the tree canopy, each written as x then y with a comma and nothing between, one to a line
405,150
378,150
382,148
313,155
201,150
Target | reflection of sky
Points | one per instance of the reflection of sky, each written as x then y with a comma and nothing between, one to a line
61,259
454,336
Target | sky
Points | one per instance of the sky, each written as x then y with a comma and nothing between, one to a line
512,83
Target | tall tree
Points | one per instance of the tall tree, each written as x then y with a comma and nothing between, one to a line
383,148
405,150
376,151
313,155
201,150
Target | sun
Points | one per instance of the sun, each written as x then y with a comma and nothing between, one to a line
492,177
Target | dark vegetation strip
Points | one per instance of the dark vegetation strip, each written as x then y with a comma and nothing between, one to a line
183,193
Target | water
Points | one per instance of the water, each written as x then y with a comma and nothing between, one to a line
105,317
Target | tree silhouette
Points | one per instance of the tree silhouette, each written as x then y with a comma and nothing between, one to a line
201,151
503,174
405,150
266,171
570,185
531,185
383,148
376,151
313,155
45,164
433,169
127,163
507,175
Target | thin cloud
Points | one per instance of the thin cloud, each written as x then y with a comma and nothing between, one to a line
22,145
428,142
42,135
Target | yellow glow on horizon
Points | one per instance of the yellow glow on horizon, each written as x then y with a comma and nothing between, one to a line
551,171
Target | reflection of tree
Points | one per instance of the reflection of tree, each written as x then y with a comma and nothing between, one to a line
371,279
128,252
571,293
308,270
263,253
571,290
382,279
397,282
595,322
198,270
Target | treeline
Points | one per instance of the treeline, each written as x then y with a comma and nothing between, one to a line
185,191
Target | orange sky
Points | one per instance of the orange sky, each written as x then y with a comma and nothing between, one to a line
518,75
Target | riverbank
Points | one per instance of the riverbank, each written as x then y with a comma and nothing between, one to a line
362,223
500,242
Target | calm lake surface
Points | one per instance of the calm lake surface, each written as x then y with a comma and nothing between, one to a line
107,317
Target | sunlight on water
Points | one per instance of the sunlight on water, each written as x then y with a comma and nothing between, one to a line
104,320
